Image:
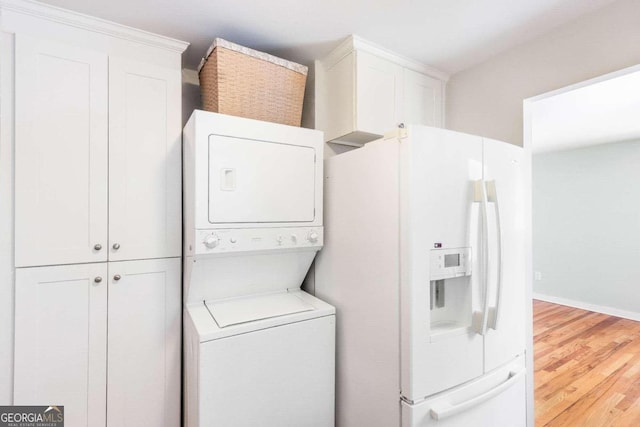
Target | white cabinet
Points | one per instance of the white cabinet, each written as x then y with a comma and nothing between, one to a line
145,181
421,100
363,91
97,137
61,340
88,124
63,353
60,153
378,93
144,322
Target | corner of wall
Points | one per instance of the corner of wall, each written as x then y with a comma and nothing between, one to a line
487,98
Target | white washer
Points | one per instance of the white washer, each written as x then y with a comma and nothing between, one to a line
273,371
258,350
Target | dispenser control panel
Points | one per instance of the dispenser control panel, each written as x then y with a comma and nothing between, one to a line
449,263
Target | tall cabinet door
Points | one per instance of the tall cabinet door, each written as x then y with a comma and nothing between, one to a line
422,99
60,154
61,340
144,160
507,192
144,343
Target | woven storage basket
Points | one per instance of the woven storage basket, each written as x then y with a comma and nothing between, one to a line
243,82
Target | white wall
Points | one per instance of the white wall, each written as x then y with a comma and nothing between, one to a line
6,220
191,99
586,226
487,99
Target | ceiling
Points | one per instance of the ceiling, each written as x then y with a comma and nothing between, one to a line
447,34
603,112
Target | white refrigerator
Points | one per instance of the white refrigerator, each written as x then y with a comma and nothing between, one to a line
424,260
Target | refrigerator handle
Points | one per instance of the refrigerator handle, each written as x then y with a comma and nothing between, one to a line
444,410
480,318
492,197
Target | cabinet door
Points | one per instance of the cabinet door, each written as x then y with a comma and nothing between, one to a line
60,154
144,343
422,99
378,93
61,340
145,201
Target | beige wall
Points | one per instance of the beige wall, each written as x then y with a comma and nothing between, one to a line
487,99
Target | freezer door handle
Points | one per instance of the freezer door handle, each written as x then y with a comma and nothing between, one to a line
492,197
480,318
443,410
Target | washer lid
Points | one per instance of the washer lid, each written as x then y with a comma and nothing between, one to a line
248,309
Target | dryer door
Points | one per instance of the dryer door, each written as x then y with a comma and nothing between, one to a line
260,181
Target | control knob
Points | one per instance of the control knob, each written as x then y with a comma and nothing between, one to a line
211,241
313,237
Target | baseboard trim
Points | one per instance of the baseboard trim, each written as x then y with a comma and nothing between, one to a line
631,315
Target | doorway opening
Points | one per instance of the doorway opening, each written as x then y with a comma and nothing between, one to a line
585,144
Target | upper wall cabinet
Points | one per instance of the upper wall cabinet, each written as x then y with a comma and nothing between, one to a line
97,156
363,91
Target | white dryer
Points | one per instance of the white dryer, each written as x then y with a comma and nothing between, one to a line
258,350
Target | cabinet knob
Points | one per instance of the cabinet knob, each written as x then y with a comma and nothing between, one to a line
116,246
98,279
117,277
97,246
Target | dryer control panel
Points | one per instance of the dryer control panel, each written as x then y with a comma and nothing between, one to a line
227,240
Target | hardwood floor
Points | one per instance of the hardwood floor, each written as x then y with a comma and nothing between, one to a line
587,368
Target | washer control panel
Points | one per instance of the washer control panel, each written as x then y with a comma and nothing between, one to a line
257,239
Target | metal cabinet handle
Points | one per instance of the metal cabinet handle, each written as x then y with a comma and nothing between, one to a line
117,277
116,246
98,279
97,246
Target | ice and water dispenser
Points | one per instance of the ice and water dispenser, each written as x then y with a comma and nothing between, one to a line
450,291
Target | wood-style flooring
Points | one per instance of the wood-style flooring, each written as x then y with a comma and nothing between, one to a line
587,368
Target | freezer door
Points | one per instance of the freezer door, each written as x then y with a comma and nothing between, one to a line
260,181
496,399
507,190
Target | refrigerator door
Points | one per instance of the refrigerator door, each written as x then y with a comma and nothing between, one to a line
496,399
506,190
440,223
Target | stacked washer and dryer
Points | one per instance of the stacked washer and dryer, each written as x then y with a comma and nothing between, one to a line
259,351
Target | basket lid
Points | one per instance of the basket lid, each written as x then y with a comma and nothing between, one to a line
218,42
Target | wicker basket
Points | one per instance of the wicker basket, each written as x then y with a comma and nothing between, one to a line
243,82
